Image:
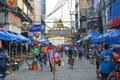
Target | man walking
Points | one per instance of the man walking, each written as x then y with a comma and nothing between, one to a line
3,63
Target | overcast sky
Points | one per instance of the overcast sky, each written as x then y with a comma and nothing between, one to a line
62,13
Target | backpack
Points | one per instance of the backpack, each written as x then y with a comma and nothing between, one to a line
3,62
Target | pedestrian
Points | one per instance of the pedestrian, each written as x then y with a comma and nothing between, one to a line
105,63
54,58
97,59
41,60
3,63
35,52
70,54
50,52
115,58
80,53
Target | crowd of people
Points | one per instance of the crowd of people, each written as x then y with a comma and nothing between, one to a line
106,57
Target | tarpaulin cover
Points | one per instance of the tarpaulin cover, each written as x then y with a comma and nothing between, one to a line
90,36
35,28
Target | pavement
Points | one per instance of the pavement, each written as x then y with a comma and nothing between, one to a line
82,70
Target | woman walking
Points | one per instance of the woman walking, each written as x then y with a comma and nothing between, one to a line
54,60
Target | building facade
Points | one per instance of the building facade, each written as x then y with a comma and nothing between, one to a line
15,14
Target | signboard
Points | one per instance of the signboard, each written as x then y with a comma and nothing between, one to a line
96,5
65,33
12,19
43,6
12,3
20,4
113,14
12,28
25,9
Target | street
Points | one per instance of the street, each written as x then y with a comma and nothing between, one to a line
83,70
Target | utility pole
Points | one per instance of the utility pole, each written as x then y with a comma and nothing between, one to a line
79,6
103,15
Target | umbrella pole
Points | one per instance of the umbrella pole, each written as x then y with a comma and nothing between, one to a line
21,49
9,49
9,52
16,50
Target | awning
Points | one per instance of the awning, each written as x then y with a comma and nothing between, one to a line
24,38
44,41
90,36
35,28
4,35
114,23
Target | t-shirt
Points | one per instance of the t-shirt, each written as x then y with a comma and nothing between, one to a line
50,52
97,53
35,51
114,56
105,66
54,57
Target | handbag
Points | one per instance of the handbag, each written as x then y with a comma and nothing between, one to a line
59,63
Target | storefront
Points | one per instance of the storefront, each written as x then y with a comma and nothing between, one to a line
14,23
114,15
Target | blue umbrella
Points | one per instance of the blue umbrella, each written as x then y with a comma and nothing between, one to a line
4,35
35,28
44,41
18,39
24,38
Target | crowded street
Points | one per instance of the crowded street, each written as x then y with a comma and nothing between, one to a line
83,70
59,39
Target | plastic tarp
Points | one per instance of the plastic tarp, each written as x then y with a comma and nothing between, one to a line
115,38
78,41
44,41
18,39
35,28
24,38
97,39
4,35
91,36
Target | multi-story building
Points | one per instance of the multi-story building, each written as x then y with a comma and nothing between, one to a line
113,14
80,25
17,15
39,12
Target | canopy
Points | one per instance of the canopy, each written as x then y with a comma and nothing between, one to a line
4,35
78,41
35,28
18,39
44,41
90,36
24,38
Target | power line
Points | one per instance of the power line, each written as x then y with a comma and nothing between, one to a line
61,5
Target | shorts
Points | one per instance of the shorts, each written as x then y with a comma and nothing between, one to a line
3,73
97,64
113,65
104,76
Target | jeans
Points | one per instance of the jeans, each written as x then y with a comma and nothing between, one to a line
3,75
42,65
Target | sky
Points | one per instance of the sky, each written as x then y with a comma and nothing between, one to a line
62,13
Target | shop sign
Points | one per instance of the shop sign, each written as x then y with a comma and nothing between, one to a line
20,4
25,9
12,19
12,28
12,3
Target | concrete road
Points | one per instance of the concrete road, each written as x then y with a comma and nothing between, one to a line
83,70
